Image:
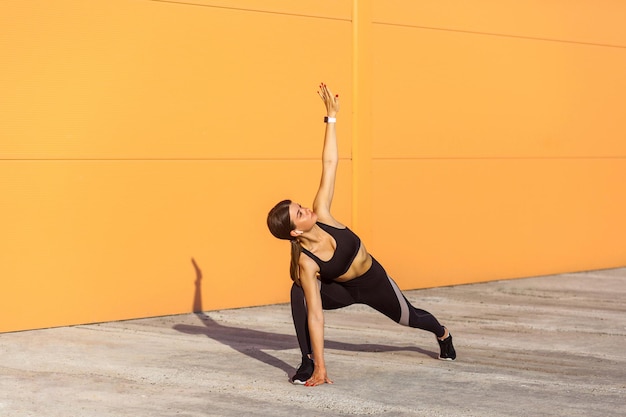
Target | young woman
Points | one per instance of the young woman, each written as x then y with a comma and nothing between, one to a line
331,268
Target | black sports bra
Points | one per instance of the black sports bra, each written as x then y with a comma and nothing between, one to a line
348,245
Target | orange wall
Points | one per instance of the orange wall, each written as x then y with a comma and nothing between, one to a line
139,137
499,135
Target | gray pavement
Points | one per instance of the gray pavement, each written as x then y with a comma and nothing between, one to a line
546,346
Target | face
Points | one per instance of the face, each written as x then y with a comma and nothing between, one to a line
303,218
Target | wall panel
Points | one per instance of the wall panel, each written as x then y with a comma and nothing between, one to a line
88,241
498,139
139,135
139,79
451,94
469,220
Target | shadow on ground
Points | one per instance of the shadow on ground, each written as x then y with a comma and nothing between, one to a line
254,343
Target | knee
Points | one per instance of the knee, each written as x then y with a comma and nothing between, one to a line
297,294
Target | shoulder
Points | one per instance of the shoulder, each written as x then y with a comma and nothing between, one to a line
309,270
329,220
307,264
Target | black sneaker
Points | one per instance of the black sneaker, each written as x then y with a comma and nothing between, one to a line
447,350
304,372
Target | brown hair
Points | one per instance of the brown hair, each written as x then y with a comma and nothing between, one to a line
280,225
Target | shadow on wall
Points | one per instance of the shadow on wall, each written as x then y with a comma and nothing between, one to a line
252,343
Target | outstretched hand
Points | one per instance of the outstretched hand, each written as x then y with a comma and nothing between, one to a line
319,377
330,101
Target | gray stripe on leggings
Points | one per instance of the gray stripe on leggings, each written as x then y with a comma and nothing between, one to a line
404,307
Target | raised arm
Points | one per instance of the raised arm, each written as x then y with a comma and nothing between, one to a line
330,158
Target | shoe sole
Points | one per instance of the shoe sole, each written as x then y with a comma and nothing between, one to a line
298,382
446,359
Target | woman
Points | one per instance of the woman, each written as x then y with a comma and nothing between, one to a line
331,268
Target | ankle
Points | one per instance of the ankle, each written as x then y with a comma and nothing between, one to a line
446,333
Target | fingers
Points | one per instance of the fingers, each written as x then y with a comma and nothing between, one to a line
313,382
327,90
323,92
330,101
326,94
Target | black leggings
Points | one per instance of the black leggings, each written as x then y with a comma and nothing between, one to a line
375,289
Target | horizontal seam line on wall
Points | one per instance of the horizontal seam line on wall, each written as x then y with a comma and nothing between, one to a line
166,159
503,35
188,3
390,158
496,158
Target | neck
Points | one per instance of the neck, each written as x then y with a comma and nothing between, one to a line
311,237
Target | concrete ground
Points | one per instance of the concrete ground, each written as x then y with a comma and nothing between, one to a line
546,346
